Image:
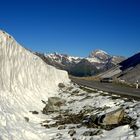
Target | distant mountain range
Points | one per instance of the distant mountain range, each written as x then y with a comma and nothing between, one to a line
98,61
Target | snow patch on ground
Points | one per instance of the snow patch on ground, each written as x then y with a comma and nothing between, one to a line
101,102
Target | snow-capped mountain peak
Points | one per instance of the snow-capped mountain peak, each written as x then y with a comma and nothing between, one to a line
63,58
99,51
99,54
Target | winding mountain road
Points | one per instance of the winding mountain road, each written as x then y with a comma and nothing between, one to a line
109,87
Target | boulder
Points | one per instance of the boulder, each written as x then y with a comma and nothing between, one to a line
110,118
113,117
72,132
54,104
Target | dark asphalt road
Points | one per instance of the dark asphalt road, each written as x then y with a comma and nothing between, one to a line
109,87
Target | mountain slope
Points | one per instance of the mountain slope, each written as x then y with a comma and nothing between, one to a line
25,80
131,75
84,68
128,70
130,62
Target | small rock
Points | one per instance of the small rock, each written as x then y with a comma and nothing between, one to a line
90,120
76,91
50,125
92,133
81,94
34,112
43,102
61,127
71,127
72,132
74,139
134,126
59,134
45,125
26,119
61,85
79,126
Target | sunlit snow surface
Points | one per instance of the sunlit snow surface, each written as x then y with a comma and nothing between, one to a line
25,80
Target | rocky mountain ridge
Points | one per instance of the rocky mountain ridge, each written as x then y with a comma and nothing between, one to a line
96,62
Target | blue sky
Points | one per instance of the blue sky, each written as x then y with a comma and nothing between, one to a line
74,27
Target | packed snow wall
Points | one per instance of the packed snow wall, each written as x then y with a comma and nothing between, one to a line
25,80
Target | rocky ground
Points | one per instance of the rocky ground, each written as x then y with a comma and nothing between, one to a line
81,113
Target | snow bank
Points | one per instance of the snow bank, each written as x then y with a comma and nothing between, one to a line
25,80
